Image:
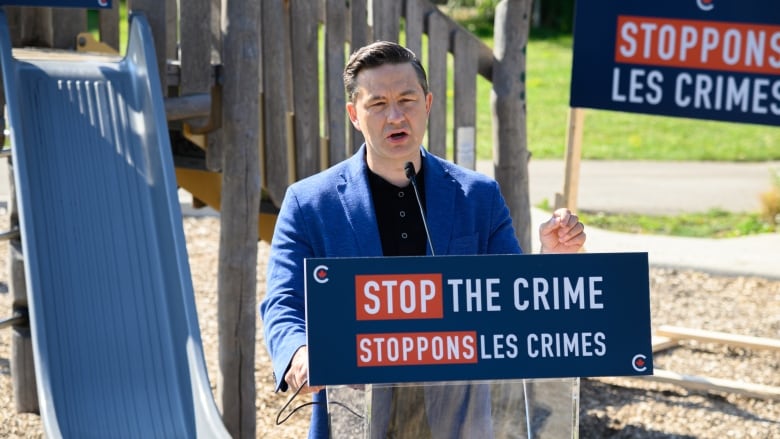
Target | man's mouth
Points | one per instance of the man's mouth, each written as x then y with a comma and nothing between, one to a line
396,136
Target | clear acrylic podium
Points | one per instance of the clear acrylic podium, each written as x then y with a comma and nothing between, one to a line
533,409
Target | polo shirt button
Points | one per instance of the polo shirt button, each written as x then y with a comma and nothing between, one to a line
402,213
400,194
404,235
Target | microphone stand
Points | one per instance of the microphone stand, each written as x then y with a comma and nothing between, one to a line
412,176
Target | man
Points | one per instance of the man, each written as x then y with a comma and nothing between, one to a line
365,206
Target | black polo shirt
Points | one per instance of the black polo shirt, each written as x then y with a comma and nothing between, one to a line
398,216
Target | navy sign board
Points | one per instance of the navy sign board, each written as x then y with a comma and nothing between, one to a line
456,318
90,4
704,59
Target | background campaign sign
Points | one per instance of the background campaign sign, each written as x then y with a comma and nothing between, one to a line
705,59
455,318
92,4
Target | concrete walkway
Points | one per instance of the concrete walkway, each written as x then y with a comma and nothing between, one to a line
650,187
669,188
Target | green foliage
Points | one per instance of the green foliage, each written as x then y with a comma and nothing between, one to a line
715,223
476,16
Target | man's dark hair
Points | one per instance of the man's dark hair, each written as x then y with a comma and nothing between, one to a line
377,54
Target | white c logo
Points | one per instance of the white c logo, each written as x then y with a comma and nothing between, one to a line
320,274
705,5
638,363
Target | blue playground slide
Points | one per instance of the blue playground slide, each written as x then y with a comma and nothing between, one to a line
115,332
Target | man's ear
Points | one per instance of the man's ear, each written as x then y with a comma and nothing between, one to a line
352,112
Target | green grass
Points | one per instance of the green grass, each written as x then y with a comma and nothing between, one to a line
614,135
611,135
712,224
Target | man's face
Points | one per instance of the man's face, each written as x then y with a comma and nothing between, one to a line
391,110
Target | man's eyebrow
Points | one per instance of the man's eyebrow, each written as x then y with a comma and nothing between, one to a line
409,92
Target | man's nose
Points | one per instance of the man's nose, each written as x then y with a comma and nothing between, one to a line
394,113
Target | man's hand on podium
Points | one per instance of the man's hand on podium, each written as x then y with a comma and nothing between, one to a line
297,376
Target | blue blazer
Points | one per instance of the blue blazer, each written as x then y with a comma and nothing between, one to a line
331,214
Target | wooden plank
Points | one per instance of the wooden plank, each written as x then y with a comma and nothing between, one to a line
414,26
465,99
214,139
22,361
335,99
572,159
195,47
510,148
14,16
171,29
306,94
701,335
67,23
108,25
663,343
360,35
438,46
155,11
277,101
708,384
386,20
35,27
485,58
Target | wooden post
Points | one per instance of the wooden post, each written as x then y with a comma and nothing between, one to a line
195,50
438,42
305,76
22,362
510,148
109,25
465,99
276,96
386,17
361,34
571,178
414,26
335,99
237,279
35,27
66,24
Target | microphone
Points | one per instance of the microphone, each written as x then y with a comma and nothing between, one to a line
412,176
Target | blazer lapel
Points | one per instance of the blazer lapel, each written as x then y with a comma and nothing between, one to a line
439,203
355,195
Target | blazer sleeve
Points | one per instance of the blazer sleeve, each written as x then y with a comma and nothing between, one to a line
501,238
283,308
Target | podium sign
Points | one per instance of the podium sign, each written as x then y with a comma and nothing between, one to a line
703,59
454,318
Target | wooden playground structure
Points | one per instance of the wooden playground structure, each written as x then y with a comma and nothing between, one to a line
255,101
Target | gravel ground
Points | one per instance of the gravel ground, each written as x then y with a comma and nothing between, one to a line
610,407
